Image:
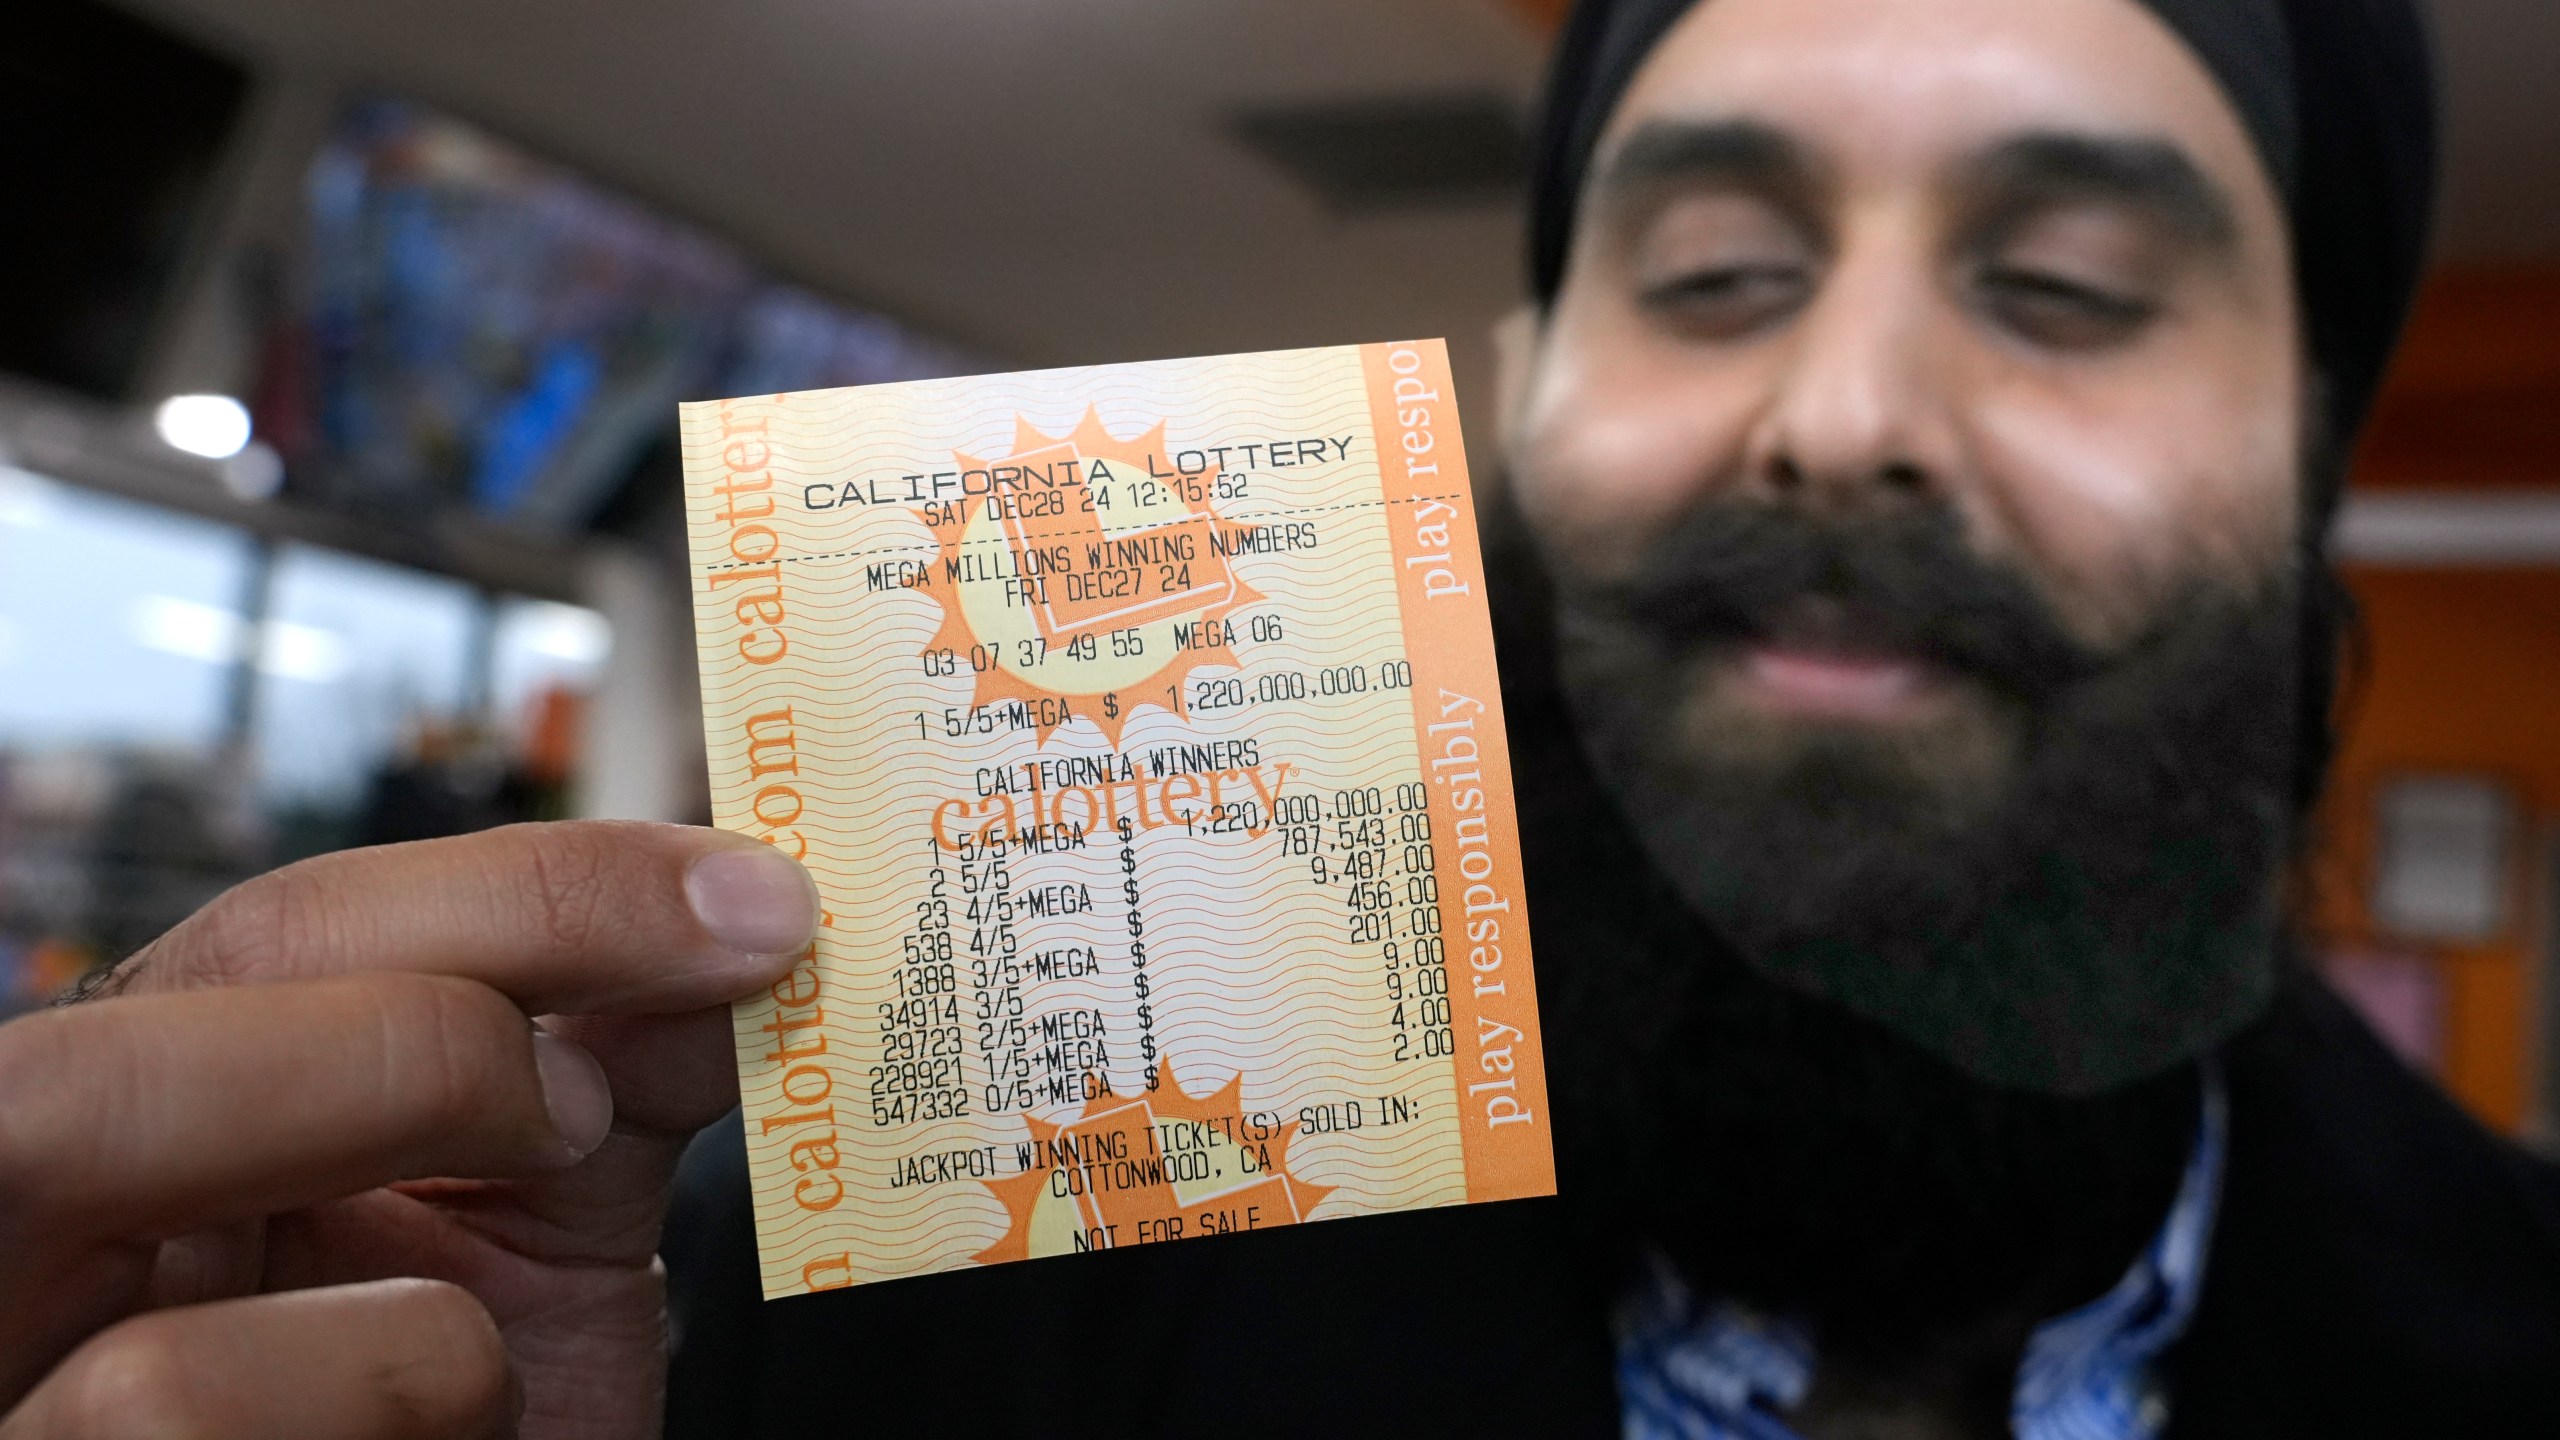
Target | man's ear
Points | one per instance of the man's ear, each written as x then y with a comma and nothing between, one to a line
1515,357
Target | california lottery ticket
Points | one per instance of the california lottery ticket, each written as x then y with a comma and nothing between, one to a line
1139,724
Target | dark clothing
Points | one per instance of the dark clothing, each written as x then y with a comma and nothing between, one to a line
2382,1266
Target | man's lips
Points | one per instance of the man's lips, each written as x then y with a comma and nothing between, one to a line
1836,685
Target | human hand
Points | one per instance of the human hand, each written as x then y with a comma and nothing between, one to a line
305,1167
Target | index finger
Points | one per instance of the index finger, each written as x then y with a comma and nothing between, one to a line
587,916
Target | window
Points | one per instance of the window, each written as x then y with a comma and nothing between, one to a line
118,622
356,659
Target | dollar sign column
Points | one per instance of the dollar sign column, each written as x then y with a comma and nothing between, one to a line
1138,983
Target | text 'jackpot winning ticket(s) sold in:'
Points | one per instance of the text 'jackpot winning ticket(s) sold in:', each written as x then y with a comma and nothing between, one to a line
1140,727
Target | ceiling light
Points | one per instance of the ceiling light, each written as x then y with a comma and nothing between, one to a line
213,426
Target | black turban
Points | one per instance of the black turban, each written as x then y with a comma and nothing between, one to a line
2338,97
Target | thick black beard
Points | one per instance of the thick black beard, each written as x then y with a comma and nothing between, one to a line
1781,1149
2088,900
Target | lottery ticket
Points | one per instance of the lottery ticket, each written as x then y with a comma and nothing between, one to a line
1140,727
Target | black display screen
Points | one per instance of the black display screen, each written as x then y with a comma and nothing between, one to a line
111,130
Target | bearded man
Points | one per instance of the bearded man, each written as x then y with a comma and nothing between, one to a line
1918,648
1919,653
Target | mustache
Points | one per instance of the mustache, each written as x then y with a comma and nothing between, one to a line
1906,582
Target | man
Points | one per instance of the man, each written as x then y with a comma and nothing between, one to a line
1919,657
1920,647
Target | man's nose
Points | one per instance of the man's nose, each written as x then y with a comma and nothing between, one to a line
1858,415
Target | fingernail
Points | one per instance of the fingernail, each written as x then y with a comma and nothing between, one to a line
759,900
574,1091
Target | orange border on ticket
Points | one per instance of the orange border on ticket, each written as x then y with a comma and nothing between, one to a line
1500,1085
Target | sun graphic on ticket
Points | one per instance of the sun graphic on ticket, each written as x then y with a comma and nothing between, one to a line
1091,569
1140,726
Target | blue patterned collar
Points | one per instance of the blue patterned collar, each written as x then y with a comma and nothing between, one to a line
1692,1369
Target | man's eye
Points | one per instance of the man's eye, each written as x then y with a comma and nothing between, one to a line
2060,313
1730,301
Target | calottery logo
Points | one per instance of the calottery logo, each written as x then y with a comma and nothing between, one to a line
1088,579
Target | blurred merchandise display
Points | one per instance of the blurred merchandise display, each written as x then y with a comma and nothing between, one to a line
101,849
487,331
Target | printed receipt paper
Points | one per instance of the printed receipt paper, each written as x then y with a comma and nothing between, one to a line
1140,726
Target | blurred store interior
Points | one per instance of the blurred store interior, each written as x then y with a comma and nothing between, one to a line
341,343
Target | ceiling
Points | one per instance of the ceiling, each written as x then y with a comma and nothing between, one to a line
1048,181
1056,181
